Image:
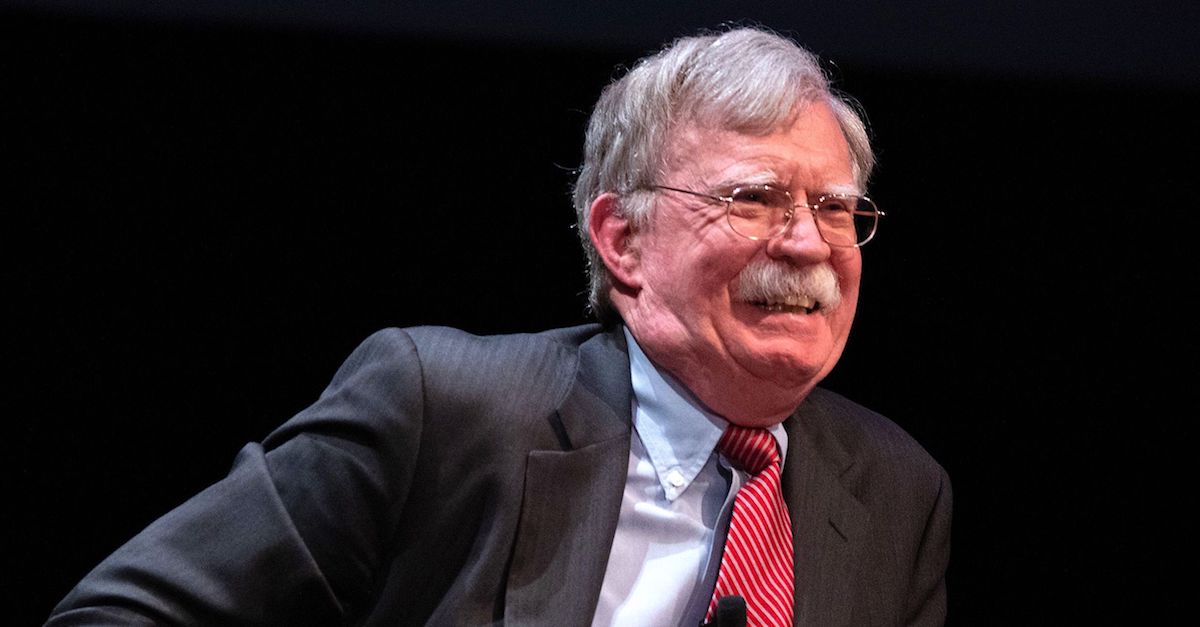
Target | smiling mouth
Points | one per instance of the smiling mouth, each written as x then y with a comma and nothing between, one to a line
790,304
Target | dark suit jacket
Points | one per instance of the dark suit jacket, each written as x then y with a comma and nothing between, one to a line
449,479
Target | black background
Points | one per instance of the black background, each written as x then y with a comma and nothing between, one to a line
204,213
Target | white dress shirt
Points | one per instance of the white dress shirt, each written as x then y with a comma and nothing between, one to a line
677,500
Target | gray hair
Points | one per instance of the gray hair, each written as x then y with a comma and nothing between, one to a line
746,80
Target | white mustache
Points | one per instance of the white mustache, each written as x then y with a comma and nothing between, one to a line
776,282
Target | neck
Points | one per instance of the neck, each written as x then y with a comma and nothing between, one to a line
720,386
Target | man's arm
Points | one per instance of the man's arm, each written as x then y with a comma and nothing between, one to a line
294,534
928,595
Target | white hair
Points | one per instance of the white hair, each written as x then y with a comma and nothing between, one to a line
746,80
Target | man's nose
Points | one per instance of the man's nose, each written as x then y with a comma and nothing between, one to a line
801,240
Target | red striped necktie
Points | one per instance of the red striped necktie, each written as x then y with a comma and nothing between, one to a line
757,561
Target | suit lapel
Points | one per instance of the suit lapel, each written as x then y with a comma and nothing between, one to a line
572,500
572,495
829,525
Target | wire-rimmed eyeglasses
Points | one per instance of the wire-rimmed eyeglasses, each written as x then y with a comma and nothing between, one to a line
761,212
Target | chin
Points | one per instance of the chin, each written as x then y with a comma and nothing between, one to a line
787,363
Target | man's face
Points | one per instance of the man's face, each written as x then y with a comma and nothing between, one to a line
752,362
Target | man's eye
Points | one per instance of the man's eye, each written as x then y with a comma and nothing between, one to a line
836,205
751,198
759,196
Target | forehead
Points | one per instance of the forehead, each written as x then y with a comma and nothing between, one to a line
809,151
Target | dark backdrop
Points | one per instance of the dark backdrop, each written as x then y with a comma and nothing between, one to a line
203,215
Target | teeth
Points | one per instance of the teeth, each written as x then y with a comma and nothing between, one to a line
805,301
791,303
789,308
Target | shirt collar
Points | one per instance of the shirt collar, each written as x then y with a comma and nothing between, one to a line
677,431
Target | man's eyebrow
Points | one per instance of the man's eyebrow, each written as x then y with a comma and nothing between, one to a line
761,177
770,177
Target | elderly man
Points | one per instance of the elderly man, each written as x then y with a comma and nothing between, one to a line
670,466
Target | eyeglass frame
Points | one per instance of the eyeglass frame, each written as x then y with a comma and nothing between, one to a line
791,213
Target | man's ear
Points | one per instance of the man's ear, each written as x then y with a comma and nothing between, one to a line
614,239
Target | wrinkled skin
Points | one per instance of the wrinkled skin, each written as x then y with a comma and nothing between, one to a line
675,278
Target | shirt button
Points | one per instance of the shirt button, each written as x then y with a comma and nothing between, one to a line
675,478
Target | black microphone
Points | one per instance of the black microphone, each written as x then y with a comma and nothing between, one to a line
731,612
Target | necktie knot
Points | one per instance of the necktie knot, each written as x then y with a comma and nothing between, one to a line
750,449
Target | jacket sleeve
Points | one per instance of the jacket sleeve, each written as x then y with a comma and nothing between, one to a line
928,594
297,530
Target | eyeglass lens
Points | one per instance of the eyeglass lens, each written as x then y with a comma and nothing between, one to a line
761,212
